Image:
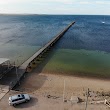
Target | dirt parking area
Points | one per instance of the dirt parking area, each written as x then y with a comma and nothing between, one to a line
40,102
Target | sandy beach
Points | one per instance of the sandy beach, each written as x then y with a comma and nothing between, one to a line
56,87
48,91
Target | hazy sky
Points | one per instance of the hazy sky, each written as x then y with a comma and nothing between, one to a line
100,7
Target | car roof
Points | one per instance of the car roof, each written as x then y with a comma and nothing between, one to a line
16,96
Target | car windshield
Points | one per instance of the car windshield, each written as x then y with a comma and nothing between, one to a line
22,96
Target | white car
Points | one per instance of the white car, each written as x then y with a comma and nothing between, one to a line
17,99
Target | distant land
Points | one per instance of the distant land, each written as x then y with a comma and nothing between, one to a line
49,14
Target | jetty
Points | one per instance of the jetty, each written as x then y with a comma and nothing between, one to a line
45,48
19,72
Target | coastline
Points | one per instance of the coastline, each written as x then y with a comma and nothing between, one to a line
36,81
79,75
46,91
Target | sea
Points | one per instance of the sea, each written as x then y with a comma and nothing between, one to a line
83,50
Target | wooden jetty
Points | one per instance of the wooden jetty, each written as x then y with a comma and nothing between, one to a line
44,49
22,69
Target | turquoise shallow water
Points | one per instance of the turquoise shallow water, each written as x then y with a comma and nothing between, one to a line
79,62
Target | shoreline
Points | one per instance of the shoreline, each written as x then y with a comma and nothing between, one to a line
78,75
46,90
40,81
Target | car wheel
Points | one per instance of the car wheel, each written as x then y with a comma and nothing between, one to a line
27,100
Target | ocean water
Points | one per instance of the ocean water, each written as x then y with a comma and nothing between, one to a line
88,33
83,50
22,35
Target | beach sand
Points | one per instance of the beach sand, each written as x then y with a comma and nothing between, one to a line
48,91
51,89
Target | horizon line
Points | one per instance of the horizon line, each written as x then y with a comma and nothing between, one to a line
50,14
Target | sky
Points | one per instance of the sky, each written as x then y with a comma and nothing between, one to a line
86,7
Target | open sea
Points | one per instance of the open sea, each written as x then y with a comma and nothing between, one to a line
83,50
